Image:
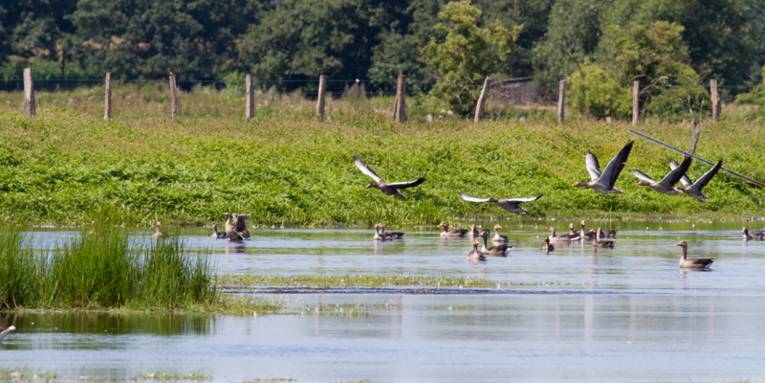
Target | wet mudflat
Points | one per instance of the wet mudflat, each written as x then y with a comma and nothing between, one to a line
627,314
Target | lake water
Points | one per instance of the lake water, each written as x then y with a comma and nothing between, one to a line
627,314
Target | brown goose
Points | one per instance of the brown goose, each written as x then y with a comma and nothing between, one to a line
604,182
5,331
584,233
381,235
231,233
693,263
240,225
158,230
512,205
693,189
217,234
393,188
563,238
476,255
498,239
453,233
494,251
601,241
667,184
753,236
474,232
547,246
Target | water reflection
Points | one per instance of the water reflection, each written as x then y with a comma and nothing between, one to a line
110,323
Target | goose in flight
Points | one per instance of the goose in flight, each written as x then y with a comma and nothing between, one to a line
667,184
603,182
393,188
693,189
512,205
693,263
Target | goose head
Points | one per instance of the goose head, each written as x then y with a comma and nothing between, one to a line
497,227
443,226
682,244
371,185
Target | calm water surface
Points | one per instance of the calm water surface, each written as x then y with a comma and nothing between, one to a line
626,314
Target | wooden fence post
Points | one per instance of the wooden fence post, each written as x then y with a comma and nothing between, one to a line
715,100
481,100
249,102
320,96
173,96
108,96
635,105
561,101
29,93
399,109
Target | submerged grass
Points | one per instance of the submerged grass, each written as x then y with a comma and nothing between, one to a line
323,281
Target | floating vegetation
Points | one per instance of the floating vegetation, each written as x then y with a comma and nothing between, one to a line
323,281
164,376
270,380
26,376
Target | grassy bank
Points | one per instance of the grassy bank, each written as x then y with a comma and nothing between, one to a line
68,165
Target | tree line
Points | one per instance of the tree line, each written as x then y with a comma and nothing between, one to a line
671,46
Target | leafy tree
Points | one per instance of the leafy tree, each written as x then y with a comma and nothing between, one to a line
595,92
466,54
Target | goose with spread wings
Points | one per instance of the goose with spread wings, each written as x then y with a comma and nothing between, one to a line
393,188
667,184
512,205
603,182
693,189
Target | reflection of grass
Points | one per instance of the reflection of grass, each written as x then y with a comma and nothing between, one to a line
26,376
349,310
269,380
164,376
323,281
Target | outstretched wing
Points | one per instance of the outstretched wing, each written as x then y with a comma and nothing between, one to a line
615,166
642,176
366,169
470,198
593,167
675,174
704,179
527,199
684,179
408,184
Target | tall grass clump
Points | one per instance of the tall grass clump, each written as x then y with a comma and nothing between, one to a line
102,270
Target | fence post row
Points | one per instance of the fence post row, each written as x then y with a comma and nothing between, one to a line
173,96
716,106
399,109
561,101
635,105
249,102
320,96
481,100
29,93
108,96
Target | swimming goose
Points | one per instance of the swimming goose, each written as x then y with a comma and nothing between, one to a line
584,233
453,233
476,255
381,235
547,246
494,251
4,332
498,239
601,241
157,230
474,233
693,189
753,236
564,238
217,234
231,233
240,225
393,189
667,184
693,263
604,182
512,205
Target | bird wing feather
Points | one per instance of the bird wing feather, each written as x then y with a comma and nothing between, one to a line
706,177
642,176
366,169
675,174
470,198
593,167
684,179
615,166
407,184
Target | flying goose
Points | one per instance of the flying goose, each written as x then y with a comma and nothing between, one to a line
381,235
498,239
512,205
393,189
604,182
476,255
667,184
693,189
753,236
693,263
453,233
4,332
494,251
217,234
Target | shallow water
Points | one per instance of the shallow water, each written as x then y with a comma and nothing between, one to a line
626,314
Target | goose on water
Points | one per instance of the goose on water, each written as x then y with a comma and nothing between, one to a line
692,263
381,235
601,241
498,239
217,234
474,232
753,235
476,255
584,233
563,238
547,246
393,188
494,251
667,184
451,233
603,182
158,230
231,228
693,189
512,205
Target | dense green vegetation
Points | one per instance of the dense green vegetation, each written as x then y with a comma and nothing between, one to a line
69,166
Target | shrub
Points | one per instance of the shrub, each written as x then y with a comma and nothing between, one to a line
596,93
